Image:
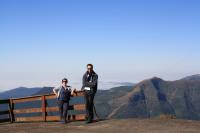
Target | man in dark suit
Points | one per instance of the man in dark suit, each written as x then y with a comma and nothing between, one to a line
90,82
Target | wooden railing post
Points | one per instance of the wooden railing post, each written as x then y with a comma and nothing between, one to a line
44,108
11,114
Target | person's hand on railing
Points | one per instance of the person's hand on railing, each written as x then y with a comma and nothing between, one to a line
73,91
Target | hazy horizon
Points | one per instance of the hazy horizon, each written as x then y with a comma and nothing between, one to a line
78,85
42,42
101,85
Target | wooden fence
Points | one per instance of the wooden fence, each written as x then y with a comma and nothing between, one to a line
44,109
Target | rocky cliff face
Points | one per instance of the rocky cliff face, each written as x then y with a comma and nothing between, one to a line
156,97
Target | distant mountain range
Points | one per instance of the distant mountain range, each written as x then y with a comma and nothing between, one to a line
155,97
193,77
108,85
150,98
19,92
24,91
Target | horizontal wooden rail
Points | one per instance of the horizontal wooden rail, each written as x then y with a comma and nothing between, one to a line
79,117
28,119
38,97
5,120
48,109
23,111
4,101
72,107
4,112
29,99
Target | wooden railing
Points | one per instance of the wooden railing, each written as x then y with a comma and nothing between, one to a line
44,109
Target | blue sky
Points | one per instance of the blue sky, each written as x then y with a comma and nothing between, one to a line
42,41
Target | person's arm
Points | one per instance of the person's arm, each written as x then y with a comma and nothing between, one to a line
92,84
55,91
73,91
84,82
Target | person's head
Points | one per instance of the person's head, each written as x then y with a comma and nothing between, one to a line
64,81
90,68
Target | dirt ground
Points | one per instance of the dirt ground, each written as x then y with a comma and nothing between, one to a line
106,126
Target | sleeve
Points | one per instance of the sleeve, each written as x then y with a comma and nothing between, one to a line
83,81
70,88
93,83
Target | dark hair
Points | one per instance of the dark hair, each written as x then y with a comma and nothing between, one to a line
65,79
90,65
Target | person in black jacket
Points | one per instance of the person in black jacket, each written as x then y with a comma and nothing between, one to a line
90,82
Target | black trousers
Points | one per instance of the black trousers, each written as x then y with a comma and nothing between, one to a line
63,109
89,97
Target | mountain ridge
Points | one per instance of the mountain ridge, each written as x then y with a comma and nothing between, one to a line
150,98
155,97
